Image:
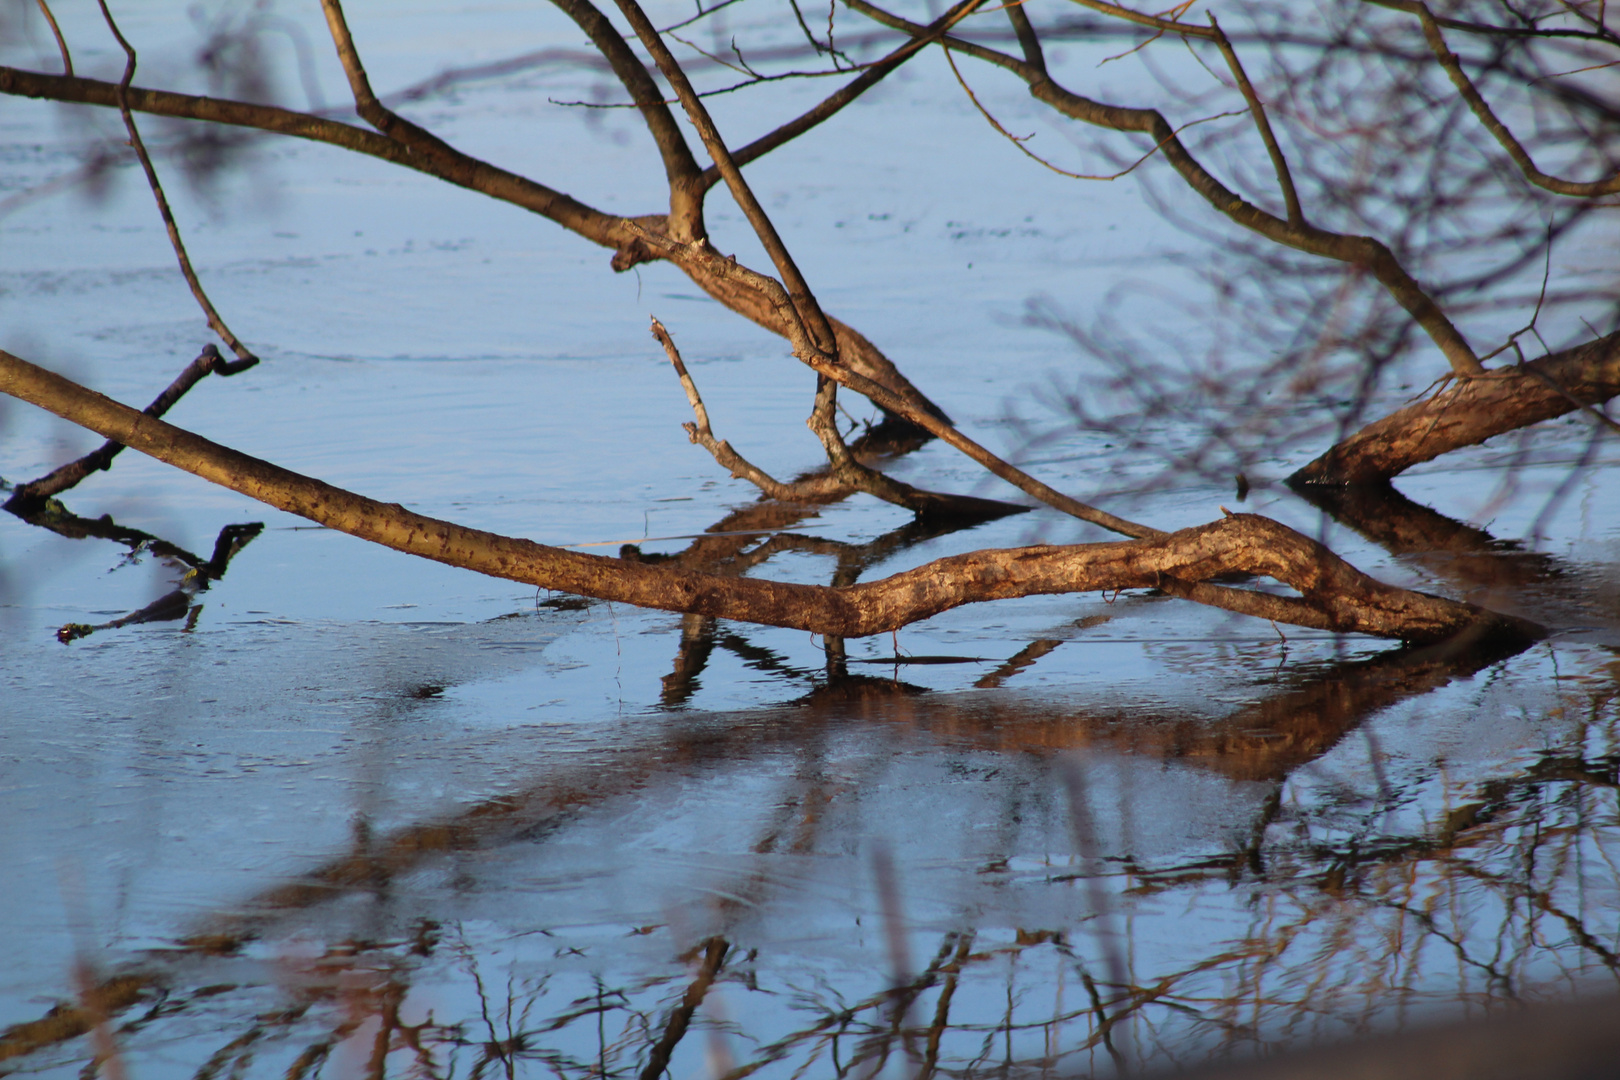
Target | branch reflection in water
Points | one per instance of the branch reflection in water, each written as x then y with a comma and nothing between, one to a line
513,937
711,896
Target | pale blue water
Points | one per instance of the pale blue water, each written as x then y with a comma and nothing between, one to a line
558,839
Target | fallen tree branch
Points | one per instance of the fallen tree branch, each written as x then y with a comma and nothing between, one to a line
1470,411
34,493
1333,594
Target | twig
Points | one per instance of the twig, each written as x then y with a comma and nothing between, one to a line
244,357
845,475
1019,142
66,476
1500,131
703,13
61,42
1163,25
1279,163
870,77
701,433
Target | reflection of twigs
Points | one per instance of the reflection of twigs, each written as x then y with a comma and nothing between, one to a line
1024,658
176,604
714,955
1085,838
61,42
245,358
942,1007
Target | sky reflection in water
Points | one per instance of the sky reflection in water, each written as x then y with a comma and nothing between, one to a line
362,808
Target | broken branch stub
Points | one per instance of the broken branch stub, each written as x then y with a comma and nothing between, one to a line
1333,594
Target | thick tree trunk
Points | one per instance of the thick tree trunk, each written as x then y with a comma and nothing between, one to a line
1334,595
1469,411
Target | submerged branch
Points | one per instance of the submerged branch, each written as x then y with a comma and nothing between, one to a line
1471,411
1333,594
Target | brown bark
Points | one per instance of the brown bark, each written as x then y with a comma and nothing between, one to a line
1334,595
1470,411
32,495
846,473
769,292
1492,123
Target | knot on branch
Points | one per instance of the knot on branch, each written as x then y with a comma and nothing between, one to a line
632,254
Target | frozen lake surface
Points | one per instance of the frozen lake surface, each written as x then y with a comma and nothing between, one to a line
362,811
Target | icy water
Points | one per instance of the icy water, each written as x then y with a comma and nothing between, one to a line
352,812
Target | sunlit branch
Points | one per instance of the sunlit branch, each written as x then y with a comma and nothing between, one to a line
449,165
1173,26
845,475
681,169
804,306
67,476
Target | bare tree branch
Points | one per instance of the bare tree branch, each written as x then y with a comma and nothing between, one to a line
1470,411
829,106
804,304
1333,594
607,230
1364,251
1279,163
66,476
61,42
686,186
244,357
1500,131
